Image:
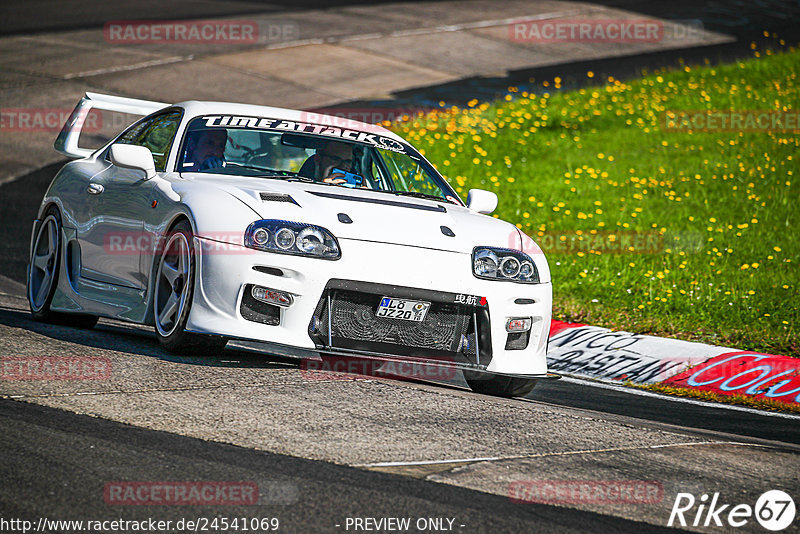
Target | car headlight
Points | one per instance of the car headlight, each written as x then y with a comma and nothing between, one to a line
287,237
504,264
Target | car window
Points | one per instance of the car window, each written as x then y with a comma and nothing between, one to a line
259,149
262,147
408,175
156,133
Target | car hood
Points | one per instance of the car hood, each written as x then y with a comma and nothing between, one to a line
375,216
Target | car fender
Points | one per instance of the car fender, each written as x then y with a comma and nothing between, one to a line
213,215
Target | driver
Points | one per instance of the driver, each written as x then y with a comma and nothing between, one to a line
334,155
205,149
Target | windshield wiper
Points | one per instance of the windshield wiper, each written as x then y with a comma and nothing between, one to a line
418,195
246,166
269,172
299,178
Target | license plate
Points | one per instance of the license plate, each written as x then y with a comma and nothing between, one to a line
407,310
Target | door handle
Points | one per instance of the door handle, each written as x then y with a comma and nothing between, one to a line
94,189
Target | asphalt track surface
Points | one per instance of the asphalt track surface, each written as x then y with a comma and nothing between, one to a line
52,451
741,17
57,462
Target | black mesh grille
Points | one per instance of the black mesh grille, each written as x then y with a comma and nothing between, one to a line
448,331
518,340
354,319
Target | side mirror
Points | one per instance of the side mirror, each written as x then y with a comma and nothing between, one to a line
481,201
133,157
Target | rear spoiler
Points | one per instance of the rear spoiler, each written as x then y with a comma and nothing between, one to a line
67,140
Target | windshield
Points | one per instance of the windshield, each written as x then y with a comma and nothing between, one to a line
273,148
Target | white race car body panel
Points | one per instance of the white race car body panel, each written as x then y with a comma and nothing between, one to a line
405,217
393,246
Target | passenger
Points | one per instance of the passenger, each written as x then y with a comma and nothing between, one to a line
334,155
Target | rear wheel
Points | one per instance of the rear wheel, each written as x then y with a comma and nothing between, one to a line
499,386
172,298
43,269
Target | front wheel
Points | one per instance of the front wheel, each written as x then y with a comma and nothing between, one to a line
498,385
172,298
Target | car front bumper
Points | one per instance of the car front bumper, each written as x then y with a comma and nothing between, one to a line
226,272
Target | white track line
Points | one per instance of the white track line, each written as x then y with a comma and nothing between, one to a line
453,27
563,453
123,68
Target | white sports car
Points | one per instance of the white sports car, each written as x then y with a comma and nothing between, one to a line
216,222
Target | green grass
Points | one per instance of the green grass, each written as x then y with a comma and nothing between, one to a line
599,162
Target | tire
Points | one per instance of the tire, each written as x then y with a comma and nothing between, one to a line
500,386
43,270
172,296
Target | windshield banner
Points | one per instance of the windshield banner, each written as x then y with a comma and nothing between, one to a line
264,123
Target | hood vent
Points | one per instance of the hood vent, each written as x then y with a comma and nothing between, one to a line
277,197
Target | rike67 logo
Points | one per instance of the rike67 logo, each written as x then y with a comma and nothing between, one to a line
774,510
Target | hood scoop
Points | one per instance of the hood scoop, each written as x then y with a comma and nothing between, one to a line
269,196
